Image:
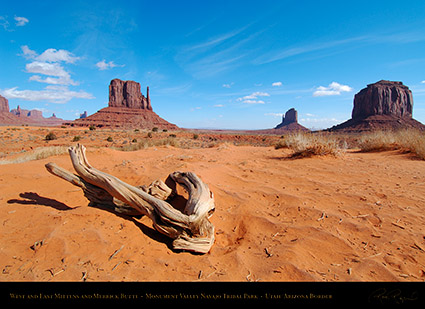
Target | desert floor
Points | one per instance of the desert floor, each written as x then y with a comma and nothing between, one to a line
355,217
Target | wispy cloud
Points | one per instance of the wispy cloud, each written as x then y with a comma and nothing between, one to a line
253,98
281,54
216,54
21,21
274,114
103,65
334,88
228,85
277,84
330,45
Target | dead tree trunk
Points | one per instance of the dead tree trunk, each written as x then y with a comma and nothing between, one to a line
190,228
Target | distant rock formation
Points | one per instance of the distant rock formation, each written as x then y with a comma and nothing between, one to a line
290,122
83,115
20,116
382,105
34,113
290,116
4,105
127,108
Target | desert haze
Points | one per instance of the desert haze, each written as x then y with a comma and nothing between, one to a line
349,215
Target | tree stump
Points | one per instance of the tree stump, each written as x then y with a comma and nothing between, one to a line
190,228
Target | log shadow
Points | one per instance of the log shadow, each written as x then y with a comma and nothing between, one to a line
32,198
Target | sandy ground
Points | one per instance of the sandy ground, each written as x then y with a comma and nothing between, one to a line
358,217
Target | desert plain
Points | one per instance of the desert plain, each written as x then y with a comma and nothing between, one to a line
356,216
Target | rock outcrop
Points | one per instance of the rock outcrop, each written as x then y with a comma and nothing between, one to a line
290,122
383,98
290,116
33,113
381,106
127,108
4,105
127,94
18,116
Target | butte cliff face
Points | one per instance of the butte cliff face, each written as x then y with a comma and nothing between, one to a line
127,94
290,122
381,106
383,98
4,105
127,108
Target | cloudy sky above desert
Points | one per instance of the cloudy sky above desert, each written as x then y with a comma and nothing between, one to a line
215,64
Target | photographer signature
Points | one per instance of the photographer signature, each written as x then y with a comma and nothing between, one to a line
394,296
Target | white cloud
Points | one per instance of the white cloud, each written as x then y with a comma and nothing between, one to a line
274,114
253,101
252,98
228,85
21,21
28,53
48,63
277,84
423,82
103,65
319,123
333,89
219,105
48,69
54,55
54,94
4,23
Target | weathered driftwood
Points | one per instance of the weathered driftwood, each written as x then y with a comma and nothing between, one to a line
190,228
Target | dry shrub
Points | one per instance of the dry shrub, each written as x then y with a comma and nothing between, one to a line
408,140
312,144
37,154
146,143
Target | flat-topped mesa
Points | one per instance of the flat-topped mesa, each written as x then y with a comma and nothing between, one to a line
383,98
127,94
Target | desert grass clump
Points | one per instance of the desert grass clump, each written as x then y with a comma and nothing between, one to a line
407,140
50,136
146,143
312,144
37,154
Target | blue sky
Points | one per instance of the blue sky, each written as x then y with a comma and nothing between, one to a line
211,64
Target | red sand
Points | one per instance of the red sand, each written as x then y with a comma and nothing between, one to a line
358,217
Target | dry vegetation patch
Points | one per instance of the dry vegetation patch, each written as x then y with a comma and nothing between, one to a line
408,140
312,144
37,154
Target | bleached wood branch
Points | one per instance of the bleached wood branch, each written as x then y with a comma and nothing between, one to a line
190,229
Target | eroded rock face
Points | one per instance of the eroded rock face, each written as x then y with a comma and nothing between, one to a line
4,104
291,116
384,105
383,98
127,94
127,108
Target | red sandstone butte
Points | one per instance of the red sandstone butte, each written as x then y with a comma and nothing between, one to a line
127,108
381,106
